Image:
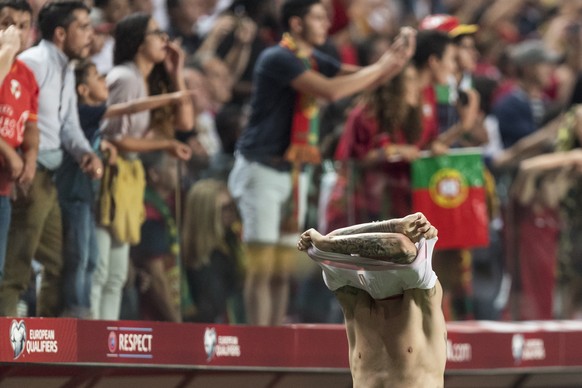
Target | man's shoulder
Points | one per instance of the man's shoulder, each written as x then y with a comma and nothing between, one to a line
511,99
35,54
37,60
276,50
21,69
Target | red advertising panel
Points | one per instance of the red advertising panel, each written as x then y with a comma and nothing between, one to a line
532,345
132,342
38,340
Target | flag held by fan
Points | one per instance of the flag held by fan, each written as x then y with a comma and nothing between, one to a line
450,191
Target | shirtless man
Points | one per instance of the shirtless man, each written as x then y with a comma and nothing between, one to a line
382,276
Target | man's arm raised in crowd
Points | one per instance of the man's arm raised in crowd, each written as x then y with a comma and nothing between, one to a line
335,88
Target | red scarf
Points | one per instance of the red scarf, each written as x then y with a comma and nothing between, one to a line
304,147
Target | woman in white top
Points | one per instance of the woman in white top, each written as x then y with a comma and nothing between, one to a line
139,45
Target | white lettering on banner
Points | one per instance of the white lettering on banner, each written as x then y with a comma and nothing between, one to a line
41,334
227,346
41,341
36,346
534,349
524,349
461,352
135,342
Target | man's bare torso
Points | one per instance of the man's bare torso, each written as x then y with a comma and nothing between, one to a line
397,342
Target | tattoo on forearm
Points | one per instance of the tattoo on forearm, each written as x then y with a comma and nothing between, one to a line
382,246
370,227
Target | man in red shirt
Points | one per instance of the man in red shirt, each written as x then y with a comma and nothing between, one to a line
18,110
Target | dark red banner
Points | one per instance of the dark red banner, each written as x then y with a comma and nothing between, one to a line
470,345
38,340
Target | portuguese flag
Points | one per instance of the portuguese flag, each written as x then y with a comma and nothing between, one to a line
450,191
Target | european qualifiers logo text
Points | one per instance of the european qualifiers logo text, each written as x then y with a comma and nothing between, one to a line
33,341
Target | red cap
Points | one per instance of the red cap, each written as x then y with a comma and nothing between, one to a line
448,24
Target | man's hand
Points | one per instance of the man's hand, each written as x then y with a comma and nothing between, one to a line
10,39
311,237
25,179
416,226
91,165
394,60
14,163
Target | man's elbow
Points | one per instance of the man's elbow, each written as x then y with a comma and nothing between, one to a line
332,94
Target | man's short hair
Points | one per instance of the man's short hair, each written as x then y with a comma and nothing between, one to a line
58,14
18,5
429,43
292,8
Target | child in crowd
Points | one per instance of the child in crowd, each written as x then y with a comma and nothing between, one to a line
156,255
213,253
76,194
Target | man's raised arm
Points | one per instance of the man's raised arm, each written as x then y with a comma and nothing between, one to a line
392,247
414,226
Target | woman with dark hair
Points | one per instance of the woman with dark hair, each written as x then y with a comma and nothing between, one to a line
381,137
139,46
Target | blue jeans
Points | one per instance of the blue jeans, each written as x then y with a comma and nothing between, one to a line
80,255
5,213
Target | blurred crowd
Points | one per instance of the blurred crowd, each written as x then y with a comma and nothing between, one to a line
115,199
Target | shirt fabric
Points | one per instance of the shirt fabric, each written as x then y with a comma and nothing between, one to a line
126,83
58,119
515,116
388,182
18,105
272,102
380,279
72,183
430,121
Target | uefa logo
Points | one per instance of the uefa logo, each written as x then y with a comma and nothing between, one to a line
210,340
17,337
112,342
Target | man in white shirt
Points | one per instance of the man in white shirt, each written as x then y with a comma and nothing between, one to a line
35,230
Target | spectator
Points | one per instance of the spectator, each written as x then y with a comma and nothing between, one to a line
212,252
139,46
287,79
521,112
18,143
105,15
157,252
75,189
36,225
532,231
380,139
457,100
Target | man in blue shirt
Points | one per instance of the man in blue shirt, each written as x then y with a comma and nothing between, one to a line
288,79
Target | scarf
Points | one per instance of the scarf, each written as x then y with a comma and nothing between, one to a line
304,145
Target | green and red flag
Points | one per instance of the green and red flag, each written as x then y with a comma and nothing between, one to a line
450,191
